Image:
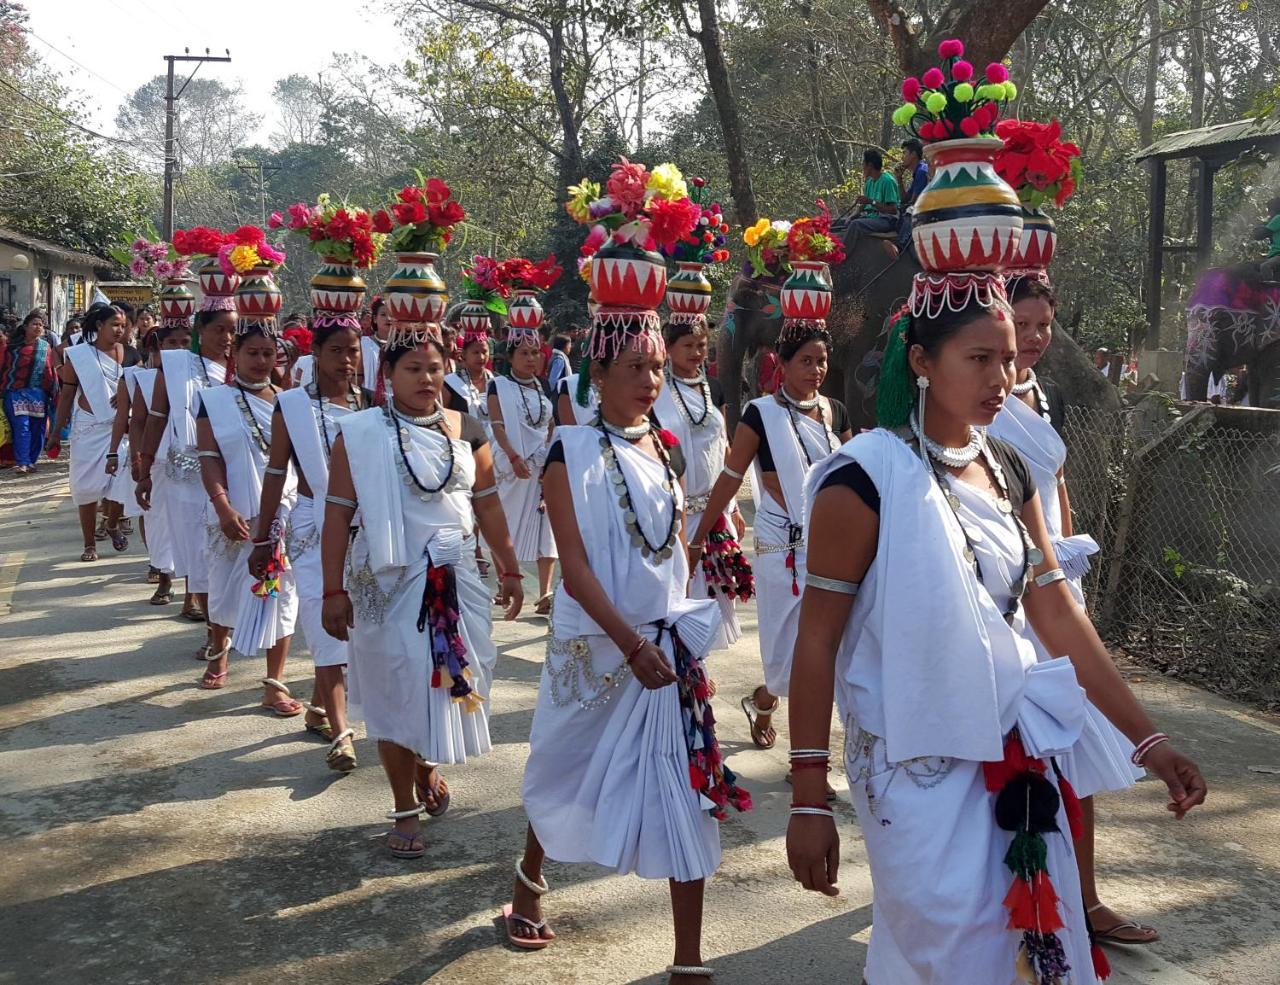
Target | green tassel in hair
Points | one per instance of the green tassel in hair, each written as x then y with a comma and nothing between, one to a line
895,393
1027,855
584,381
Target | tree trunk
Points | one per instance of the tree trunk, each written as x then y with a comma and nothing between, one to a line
571,144
1147,117
726,103
988,30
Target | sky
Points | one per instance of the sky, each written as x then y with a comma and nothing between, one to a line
120,44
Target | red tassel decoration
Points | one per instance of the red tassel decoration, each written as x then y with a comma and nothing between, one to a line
1048,920
1021,905
1101,966
435,678
1071,804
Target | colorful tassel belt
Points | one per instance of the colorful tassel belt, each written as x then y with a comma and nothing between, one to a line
724,567
439,618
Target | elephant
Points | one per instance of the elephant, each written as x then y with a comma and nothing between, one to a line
867,287
1233,319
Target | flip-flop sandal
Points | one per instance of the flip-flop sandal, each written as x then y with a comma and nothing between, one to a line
342,752
153,575
1108,936
752,710
194,613
118,540
212,681
162,596
441,801
543,608
205,652
286,707
411,846
321,728
90,554
510,918
100,532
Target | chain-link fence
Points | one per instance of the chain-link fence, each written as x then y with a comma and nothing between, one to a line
1186,508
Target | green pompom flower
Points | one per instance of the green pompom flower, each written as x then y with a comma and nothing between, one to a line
963,93
904,114
1010,91
935,102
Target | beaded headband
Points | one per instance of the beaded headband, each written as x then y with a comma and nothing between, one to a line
796,329
614,329
474,335
346,319
516,337
264,326
414,335
932,294
218,302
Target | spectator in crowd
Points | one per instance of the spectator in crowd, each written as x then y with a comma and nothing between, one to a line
879,199
28,377
1102,361
559,366
770,366
913,177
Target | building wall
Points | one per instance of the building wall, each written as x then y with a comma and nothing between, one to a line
61,288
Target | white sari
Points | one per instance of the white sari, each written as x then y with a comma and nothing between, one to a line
400,536
581,415
98,376
183,498
303,419
1100,760
607,779
699,426
159,539
258,622
779,531
526,416
927,694
123,489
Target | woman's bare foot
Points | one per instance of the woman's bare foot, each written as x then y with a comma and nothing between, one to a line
528,904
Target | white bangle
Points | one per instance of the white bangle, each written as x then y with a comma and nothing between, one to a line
810,753
732,474
816,811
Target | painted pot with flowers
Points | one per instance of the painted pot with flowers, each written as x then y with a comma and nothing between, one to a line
635,218
487,287
688,289
968,218
811,249
344,237
167,269
419,224
524,311
200,245
1043,169
247,254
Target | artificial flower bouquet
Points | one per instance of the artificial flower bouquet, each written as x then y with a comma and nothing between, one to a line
526,275
198,242
951,102
337,231
772,245
1037,163
705,243
152,259
247,249
421,219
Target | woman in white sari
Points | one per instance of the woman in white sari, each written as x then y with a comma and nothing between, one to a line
521,416
91,373
624,770
304,429
781,438
689,406
928,556
468,392
414,607
233,440
1100,760
169,443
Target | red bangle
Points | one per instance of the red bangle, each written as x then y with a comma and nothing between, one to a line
635,650
218,495
816,807
331,594
512,574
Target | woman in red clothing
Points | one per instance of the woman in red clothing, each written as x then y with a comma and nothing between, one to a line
30,383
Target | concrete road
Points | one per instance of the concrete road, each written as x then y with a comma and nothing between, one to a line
155,833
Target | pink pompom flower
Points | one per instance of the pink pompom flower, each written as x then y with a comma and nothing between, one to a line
997,73
951,48
910,89
934,79
962,71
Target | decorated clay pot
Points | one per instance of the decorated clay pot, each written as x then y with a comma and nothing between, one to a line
688,292
215,283
525,310
416,292
623,275
337,287
968,218
1038,241
473,318
177,303
806,295
258,298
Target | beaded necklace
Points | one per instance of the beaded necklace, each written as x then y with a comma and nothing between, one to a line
528,384
700,381
795,426
323,404
622,489
396,421
256,432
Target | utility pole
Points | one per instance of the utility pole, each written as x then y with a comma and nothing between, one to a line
264,172
170,113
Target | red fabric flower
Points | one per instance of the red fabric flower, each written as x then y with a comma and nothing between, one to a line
382,221
248,236
198,240
672,221
668,439
410,213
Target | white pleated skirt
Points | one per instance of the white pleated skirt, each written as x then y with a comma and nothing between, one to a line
309,582
609,784
184,506
777,609
90,442
122,487
530,529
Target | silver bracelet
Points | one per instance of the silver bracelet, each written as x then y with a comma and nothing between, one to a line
817,811
274,471
810,753
205,453
341,501
156,413
269,542
831,584
736,475
1049,577
482,493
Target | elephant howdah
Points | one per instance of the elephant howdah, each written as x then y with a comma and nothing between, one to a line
1233,319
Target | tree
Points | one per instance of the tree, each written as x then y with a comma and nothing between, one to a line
212,121
301,105
988,30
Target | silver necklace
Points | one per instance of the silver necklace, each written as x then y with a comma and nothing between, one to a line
260,437
1027,385
622,489
427,421
255,387
952,458
802,405
408,476
632,434
704,388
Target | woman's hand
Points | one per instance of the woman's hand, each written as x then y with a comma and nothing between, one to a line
113,464
337,616
1186,786
232,523
142,491
813,852
519,467
739,524
651,668
135,469
51,444
259,558
511,596
695,557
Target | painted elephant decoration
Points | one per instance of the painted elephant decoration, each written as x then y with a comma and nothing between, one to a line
1233,319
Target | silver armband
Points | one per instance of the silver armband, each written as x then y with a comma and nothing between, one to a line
1049,577
481,493
341,501
831,584
156,413
736,475
274,471
203,453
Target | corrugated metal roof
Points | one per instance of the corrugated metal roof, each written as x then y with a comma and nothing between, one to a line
1194,143
53,249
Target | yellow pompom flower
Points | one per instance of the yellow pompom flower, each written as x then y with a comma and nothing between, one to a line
244,259
666,181
963,93
751,235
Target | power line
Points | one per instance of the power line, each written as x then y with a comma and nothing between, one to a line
75,61
61,116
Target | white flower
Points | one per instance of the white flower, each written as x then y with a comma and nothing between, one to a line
782,226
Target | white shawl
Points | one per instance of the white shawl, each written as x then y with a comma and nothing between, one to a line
477,400
525,438
788,459
581,415
371,354
86,360
245,461
183,382
144,384
297,410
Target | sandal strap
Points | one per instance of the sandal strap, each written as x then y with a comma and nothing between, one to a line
539,926
538,889
1096,906
346,733
314,709
690,969
272,682
411,812
750,700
